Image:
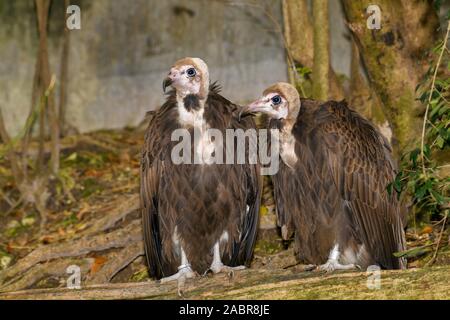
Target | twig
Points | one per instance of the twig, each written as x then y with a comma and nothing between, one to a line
34,109
425,118
42,9
433,259
6,198
64,75
287,35
15,205
13,159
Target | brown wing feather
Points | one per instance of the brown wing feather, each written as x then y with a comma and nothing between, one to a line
241,251
361,166
155,150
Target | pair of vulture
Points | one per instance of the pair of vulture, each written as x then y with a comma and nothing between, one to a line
330,189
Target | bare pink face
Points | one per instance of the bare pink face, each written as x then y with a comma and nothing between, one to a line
188,76
271,103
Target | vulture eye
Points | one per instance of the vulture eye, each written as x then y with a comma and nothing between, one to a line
191,72
276,100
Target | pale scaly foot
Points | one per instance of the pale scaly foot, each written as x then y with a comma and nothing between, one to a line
332,265
218,267
221,268
184,272
309,267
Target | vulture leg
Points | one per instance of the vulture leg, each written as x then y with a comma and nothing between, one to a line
217,266
333,264
184,272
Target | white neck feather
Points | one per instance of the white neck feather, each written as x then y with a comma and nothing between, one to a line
287,146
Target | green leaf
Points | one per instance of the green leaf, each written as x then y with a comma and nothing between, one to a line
440,142
426,150
444,109
389,189
439,198
413,156
420,193
72,157
423,97
397,185
415,252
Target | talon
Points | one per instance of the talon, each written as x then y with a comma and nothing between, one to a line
219,268
208,273
184,272
332,265
310,267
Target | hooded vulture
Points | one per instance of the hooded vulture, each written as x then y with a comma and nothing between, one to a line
197,217
331,187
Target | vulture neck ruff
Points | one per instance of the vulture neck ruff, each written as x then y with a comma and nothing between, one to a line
286,138
191,105
191,109
287,144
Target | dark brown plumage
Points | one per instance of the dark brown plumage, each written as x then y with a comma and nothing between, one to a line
335,191
196,203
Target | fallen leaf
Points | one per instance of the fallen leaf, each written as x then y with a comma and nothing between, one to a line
61,232
427,230
9,247
28,221
46,239
98,263
93,173
85,209
5,261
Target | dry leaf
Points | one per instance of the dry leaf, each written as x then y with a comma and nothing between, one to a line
427,230
98,263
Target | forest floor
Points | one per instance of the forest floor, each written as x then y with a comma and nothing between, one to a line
93,222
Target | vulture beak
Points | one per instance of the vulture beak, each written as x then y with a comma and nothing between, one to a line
251,109
167,83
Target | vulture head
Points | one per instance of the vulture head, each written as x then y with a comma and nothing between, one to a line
189,76
280,101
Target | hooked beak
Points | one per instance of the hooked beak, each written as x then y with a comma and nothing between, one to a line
251,109
167,83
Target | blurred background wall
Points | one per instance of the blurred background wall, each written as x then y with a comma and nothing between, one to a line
119,57
124,49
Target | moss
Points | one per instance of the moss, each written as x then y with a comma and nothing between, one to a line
405,124
264,247
140,275
426,283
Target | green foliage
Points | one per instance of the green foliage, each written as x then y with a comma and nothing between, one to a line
69,219
89,187
437,4
303,81
421,176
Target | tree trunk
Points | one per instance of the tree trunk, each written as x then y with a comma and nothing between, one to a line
321,50
395,58
299,34
361,97
45,74
64,75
